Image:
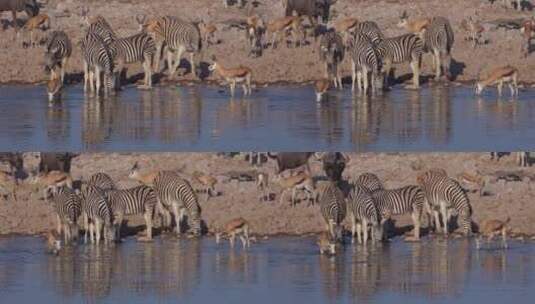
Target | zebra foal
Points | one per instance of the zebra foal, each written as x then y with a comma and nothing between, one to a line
96,59
362,211
364,60
97,217
67,205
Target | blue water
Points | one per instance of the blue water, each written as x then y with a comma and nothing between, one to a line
278,270
282,118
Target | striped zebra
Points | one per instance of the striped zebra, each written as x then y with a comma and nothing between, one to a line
179,36
438,39
99,26
333,208
176,194
408,199
102,181
67,205
364,60
136,48
137,200
447,195
362,211
331,52
371,30
58,50
404,48
96,214
96,59
369,181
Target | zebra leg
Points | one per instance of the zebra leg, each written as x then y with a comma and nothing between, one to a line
415,73
359,81
98,80
365,231
192,64
178,218
365,79
176,64
437,224
170,72
353,75
359,230
59,224
148,71
436,54
416,220
353,227
243,241
98,228
444,213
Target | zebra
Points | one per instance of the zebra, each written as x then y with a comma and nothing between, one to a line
136,48
99,26
371,30
408,199
333,208
102,181
58,51
179,36
369,181
96,59
96,214
176,193
362,211
444,193
67,205
364,59
438,39
331,52
408,47
140,199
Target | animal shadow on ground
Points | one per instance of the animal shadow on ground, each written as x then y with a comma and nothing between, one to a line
456,68
203,71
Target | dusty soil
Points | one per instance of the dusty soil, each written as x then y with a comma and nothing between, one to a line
31,215
283,64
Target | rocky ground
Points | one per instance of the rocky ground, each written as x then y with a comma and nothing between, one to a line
502,198
283,64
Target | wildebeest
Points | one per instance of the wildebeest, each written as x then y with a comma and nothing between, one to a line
310,8
55,161
31,7
14,160
334,164
291,160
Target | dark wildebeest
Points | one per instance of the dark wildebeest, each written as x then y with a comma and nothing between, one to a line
313,9
55,161
334,164
31,7
291,160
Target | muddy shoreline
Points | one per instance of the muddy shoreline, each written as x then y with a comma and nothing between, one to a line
282,65
31,215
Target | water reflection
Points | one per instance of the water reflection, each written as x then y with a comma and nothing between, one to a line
200,271
200,117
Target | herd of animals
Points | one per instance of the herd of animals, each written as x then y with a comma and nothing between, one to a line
98,207
371,54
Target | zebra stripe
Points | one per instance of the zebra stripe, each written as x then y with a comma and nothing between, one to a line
137,200
438,39
444,194
333,208
96,213
102,181
364,59
371,30
369,181
102,28
179,36
136,48
97,58
362,211
176,193
67,205
404,48
409,199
